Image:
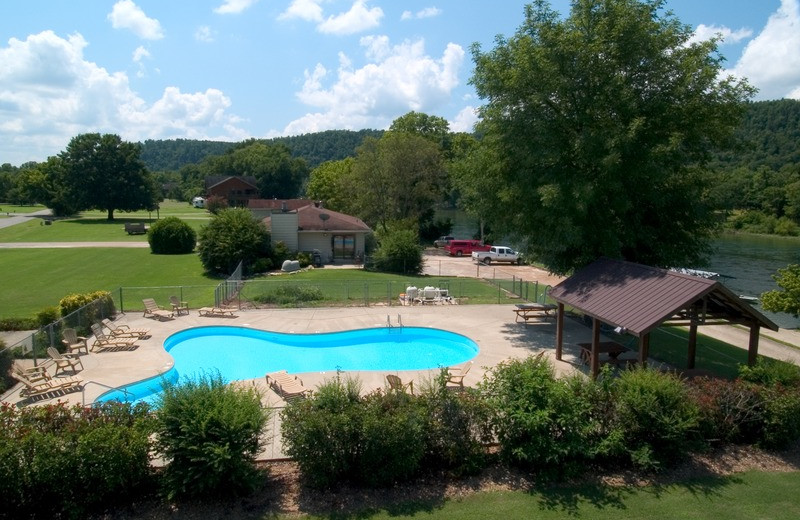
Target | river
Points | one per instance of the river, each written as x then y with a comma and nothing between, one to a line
747,263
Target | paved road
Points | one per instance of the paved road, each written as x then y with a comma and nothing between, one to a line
19,218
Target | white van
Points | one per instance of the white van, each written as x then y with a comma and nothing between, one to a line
199,202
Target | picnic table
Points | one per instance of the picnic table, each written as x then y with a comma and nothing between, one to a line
534,311
611,348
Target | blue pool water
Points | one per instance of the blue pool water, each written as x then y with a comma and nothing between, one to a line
244,353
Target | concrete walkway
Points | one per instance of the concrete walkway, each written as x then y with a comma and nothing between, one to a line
19,218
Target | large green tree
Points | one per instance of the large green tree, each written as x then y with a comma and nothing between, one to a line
233,236
104,172
397,177
787,299
602,122
331,182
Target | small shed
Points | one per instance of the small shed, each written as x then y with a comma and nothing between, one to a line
637,299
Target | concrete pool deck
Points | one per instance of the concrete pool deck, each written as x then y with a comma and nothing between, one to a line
492,327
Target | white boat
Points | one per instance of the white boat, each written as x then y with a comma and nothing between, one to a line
695,272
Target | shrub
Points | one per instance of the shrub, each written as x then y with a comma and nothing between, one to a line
6,361
215,204
261,265
47,316
290,295
102,306
730,411
456,427
392,443
209,433
398,252
233,235
171,236
321,433
781,416
770,372
538,422
56,460
659,420
18,324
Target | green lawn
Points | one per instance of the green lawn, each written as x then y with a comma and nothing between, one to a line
744,496
92,226
12,208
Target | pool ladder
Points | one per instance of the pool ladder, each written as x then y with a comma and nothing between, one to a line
389,321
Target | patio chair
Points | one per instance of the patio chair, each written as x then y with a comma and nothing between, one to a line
33,387
287,386
151,308
73,342
104,342
395,383
217,311
64,361
178,306
35,373
120,330
457,377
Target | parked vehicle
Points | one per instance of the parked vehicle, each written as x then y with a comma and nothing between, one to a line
496,254
442,241
465,247
199,202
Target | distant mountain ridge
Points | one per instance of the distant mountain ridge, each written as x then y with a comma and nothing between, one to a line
315,148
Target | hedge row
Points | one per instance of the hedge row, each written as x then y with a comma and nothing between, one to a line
552,427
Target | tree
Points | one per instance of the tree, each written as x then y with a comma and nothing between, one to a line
788,298
104,172
399,251
171,236
602,124
433,128
331,183
397,177
233,235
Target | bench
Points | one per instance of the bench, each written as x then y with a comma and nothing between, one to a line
534,311
135,228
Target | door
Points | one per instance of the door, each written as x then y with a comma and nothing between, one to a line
344,246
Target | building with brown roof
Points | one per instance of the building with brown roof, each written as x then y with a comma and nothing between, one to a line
335,235
236,190
637,299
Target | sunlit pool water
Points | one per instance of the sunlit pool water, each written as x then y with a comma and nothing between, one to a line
239,353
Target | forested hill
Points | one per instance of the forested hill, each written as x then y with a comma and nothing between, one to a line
316,148
769,136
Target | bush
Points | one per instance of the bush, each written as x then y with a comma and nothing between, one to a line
56,460
7,324
781,416
456,427
730,411
233,235
209,433
216,204
6,361
539,423
47,316
392,443
171,236
288,295
659,420
398,252
321,433
770,372
102,306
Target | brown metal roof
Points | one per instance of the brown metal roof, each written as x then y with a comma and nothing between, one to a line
639,298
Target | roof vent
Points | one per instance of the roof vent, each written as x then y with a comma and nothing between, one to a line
284,207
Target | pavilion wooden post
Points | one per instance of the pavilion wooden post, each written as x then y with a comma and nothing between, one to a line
595,343
692,345
559,330
752,347
644,349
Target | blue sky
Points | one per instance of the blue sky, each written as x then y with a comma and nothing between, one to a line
235,69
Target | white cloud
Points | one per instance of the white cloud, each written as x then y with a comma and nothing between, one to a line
728,36
49,93
359,18
771,60
465,120
428,12
308,10
204,34
234,6
127,15
395,80
140,53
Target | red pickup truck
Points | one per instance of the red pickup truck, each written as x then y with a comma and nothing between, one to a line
465,247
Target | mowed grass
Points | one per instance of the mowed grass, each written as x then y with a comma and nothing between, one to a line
14,208
36,278
740,497
93,226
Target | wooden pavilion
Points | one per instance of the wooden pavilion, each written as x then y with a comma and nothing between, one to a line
638,299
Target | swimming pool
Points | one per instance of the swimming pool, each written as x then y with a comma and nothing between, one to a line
244,353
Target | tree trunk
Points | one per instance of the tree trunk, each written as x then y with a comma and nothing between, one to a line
110,213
